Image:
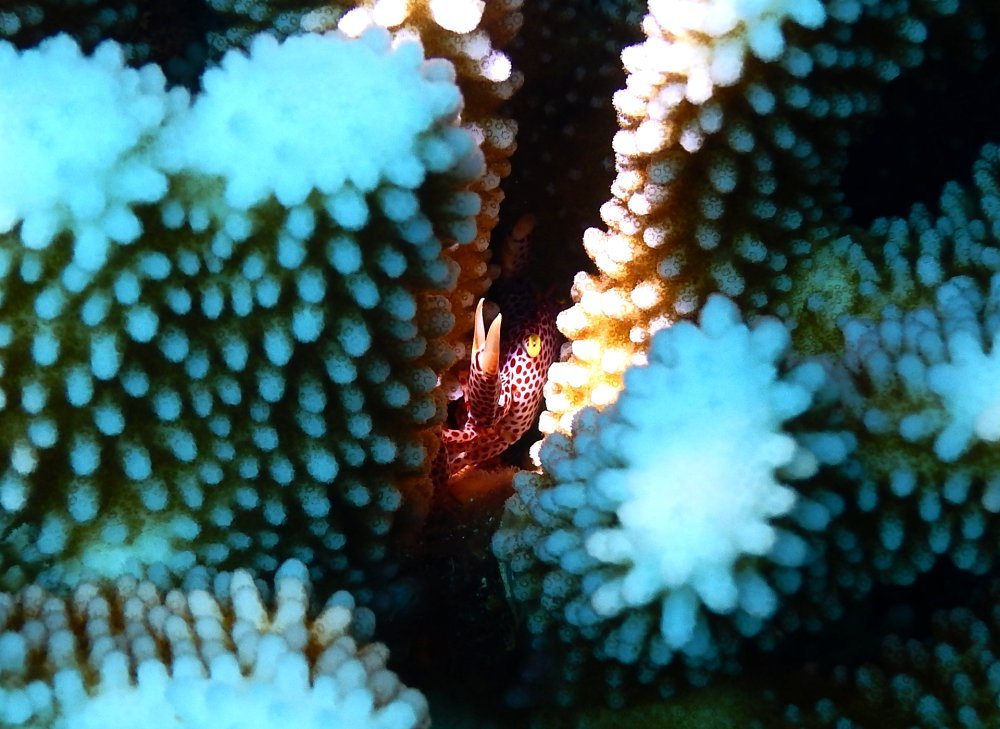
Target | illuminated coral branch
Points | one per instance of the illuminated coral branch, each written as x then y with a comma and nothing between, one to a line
471,34
735,123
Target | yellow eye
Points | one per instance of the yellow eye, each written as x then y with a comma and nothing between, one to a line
533,345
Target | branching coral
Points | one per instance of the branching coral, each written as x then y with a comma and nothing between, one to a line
471,34
946,677
631,543
238,350
263,361
916,373
735,121
126,654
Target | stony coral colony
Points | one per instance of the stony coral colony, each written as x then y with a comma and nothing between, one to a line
234,299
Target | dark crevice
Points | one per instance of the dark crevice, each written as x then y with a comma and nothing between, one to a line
935,121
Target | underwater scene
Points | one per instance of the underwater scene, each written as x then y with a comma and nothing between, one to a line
499,364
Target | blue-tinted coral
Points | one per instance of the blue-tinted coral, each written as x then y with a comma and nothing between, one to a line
914,303
946,678
667,527
223,323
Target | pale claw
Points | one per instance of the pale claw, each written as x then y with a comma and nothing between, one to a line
484,381
486,349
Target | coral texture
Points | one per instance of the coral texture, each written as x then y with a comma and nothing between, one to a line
628,542
204,358
127,654
234,287
945,676
470,34
736,121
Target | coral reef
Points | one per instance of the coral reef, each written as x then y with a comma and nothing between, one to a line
736,122
735,126
903,686
471,35
238,289
127,654
916,379
634,547
204,358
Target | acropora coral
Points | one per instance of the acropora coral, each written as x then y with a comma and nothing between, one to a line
211,654
635,546
189,398
244,245
736,125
